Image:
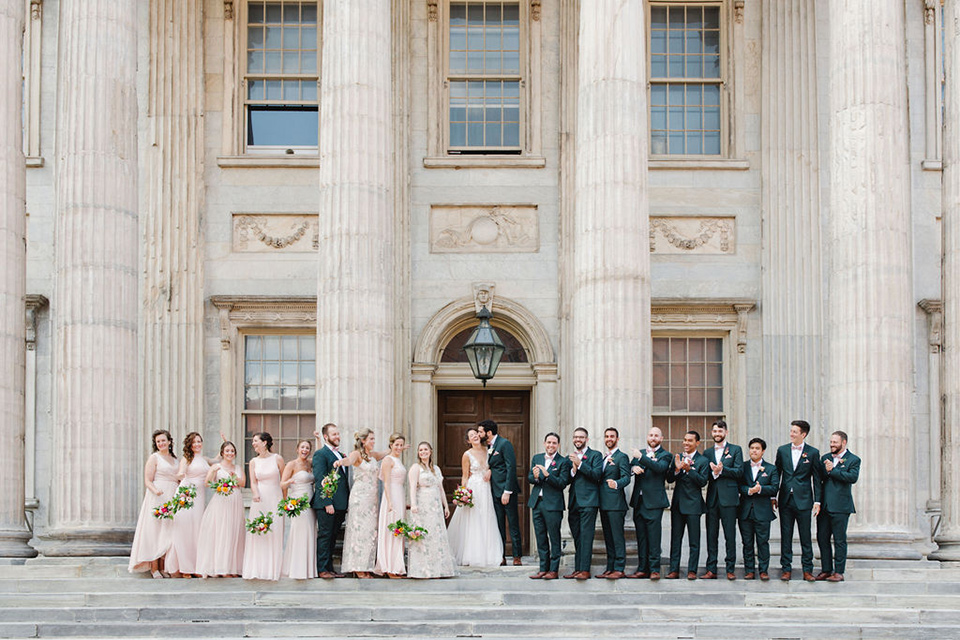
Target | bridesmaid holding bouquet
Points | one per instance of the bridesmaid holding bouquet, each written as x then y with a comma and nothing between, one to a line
182,561
392,508
154,536
300,556
360,532
263,553
430,556
220,550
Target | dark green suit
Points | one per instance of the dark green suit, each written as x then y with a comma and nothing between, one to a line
328,525
648,500
723,496
547,505
613,508
835,508
503,477
584,500
686,509
799,490
756,512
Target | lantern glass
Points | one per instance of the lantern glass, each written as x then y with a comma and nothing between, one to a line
484,348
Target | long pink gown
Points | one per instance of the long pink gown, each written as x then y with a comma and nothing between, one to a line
220,546
389,546
263,554
153,537
300,556
186,524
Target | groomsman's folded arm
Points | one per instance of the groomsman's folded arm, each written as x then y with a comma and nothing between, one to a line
733,468
849,473
770,490
699,474
659,465
559,477
591,468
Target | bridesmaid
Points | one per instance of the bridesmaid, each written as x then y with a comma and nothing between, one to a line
300,556
392,508
153,537
220,550
360,531
430,557
263,554
182,561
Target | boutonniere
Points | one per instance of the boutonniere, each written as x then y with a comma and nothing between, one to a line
763,475
553,463
726,455
803,455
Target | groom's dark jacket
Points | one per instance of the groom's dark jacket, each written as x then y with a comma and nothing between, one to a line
585,486
549,490
503,467
323,459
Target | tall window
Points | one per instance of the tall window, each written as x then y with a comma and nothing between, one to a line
280,78
685,79
687,387
279,390
484,77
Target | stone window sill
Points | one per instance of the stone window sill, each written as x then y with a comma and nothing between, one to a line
34,161
718,164
255,161
485,162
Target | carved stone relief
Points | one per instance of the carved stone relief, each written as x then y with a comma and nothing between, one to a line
484,229
701,235
263,233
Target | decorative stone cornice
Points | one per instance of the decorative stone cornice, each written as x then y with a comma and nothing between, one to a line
929,11
432,10
262,310
934,309
36,9
535,9
228,9
738,11
34,302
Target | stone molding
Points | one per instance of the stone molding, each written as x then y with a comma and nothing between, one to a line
262,311
271,232
934,310
34,303
687,234
484,229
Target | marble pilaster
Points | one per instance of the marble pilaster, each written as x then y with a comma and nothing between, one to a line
610,298
871,310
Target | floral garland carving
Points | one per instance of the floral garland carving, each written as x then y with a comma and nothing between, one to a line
256,230
708,229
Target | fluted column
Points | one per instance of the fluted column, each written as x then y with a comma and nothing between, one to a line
870,316
96,471
610,303
13,264
355,306
172,366
792,286
949,536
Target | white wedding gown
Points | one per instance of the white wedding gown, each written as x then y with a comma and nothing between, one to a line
473,533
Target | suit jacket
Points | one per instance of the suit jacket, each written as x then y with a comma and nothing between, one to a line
687,492
725,489
758,506
503,467
323,459
549,490
618,470
837,496
649,490
584,487
805,482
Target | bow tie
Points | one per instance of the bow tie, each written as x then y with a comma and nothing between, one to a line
756,465
796,447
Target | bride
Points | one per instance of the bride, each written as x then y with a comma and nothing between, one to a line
473,533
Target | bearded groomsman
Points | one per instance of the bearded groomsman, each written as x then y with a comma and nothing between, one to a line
614,476
503,484
723,496
584,501
648,500
799,497
332,511
758,486
689,471
549,473
841,470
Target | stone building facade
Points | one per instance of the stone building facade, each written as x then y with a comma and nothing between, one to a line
245,215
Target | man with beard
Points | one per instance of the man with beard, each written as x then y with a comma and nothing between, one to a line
614,476
332,511
689,471
648,500
503,484
549,473
723,496
584,501
841,470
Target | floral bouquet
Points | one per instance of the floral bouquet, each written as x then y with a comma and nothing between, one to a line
463,497
329,484
416,533
261,524
292,507
398,528
184,497
223,487
165,511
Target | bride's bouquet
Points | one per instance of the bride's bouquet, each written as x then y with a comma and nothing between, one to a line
184,497
165,511
223,487
463,497
329,484
409,531
261,524
292,507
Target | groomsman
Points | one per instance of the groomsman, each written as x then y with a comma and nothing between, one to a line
586,466
689,471
723,496
758,486
331,512
648,500
549,472
614,476
503,484
841,469
799,497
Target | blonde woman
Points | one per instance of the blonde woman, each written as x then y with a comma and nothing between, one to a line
392,508
430,557
360,532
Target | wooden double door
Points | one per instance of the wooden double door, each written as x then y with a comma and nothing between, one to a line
459,410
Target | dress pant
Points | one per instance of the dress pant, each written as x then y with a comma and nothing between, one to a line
649,532
613,539
832,524
789,514
509,512
329,527
727,518
583,527
546,526
678,522
755,532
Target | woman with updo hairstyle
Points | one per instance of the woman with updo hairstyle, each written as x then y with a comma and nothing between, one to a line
430,557
392,508
182,561
263,554
220,549
300,554
153,536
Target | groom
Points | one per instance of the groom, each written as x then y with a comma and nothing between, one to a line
331,512
503,483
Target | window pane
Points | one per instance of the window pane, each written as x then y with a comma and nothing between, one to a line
308,13
714,375
308,373
661,348
511,135
252,374
714,400
291,90
252,398
678,375
713,349
291,12
282,126
255,64
273,37
255,12
273,62
458,134
288,398
288,373
271,398
252,347
308,91
271,373
658,17
255,37
307,398
273,12
458,14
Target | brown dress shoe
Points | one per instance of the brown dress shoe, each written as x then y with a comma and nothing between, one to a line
808,576
764,575
823,575
691,575
602,575
655,575
731,575
835,577
327,575
709,575
639,575
750,575
339,575
673,575
517,563
550,575
785,575
571,576
503,562
583,575
538,575
615,575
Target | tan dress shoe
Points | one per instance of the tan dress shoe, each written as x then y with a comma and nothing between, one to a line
550,575
836,577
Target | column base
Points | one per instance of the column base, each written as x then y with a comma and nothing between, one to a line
883,546
85,542
15,544
948,550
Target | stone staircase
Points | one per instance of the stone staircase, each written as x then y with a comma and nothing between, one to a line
97,598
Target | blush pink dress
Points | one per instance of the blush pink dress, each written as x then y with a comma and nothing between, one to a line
263,554
186,524
300,556
220,546
153,537
389,546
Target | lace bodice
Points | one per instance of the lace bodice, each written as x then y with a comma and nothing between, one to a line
476,467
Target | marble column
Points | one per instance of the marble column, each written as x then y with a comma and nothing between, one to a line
610,298
792,286
355,300
171,379
96,481
870,316
948,539
13,269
